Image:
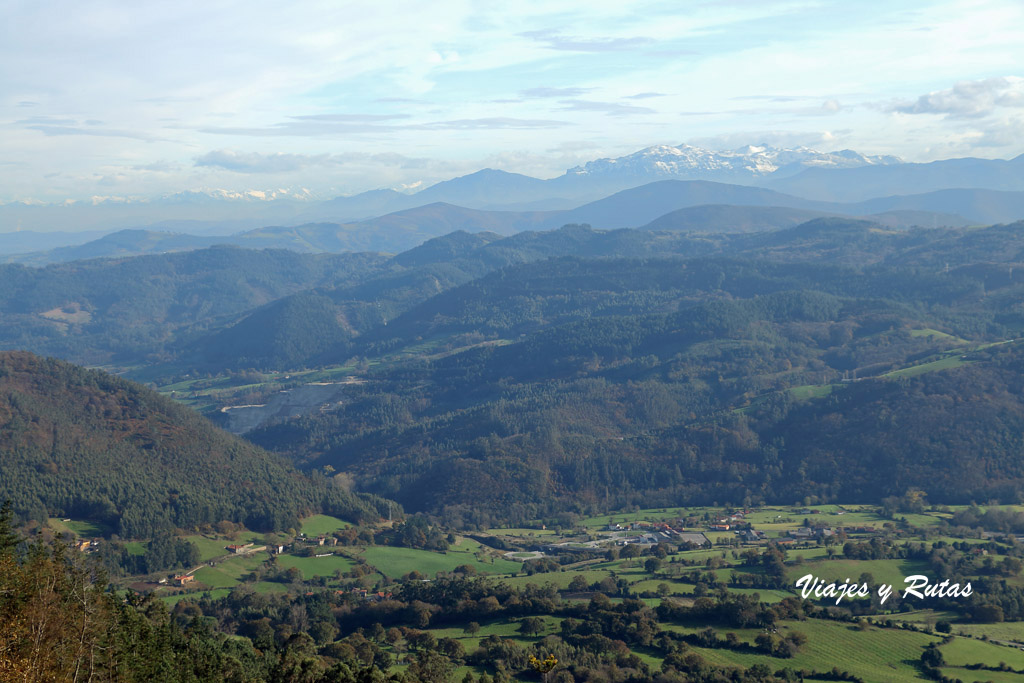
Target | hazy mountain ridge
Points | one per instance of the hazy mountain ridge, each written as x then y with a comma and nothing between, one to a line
640,205
393,233
377,312
833,176
863,183
402,230
96,311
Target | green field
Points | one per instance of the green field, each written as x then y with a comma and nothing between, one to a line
209,548
397,562
936,334
214,578
967,651
135,548
808,391
215,594
269,587
876,655
507,630
816,553
229,572
321,525
80,528
1006,630
981,675
954,361
524,533
882,571
316,566
559,580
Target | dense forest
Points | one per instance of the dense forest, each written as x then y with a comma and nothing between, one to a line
507,378
430,279
610,382
84,443
181,309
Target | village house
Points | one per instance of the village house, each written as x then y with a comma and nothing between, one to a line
805,532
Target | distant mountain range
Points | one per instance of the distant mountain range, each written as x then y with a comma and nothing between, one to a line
865,182
691,205
840,176
392,233
746,163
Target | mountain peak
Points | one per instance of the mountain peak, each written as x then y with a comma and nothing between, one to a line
744,163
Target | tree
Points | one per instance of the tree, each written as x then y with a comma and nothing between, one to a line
988,614
630,550
932,657
765,642
531,626
452,649
8,537
578,584
431,667
543,666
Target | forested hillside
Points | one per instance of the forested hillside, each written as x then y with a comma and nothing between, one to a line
86,444
611,382
135,310
382,304
581,367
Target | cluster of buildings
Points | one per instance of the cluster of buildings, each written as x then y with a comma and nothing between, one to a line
86,546
279,548
727,522
736,522
245,548
365,595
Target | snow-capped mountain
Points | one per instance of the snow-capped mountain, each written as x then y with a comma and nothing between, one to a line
204,210
220,195
746,163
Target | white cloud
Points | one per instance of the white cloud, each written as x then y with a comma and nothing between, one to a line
821,140
254,162
968,99
831,106
318,93
556,41
554,92
609,108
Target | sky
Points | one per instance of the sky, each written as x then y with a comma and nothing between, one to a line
144,99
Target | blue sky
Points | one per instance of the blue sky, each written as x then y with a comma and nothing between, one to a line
117,99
